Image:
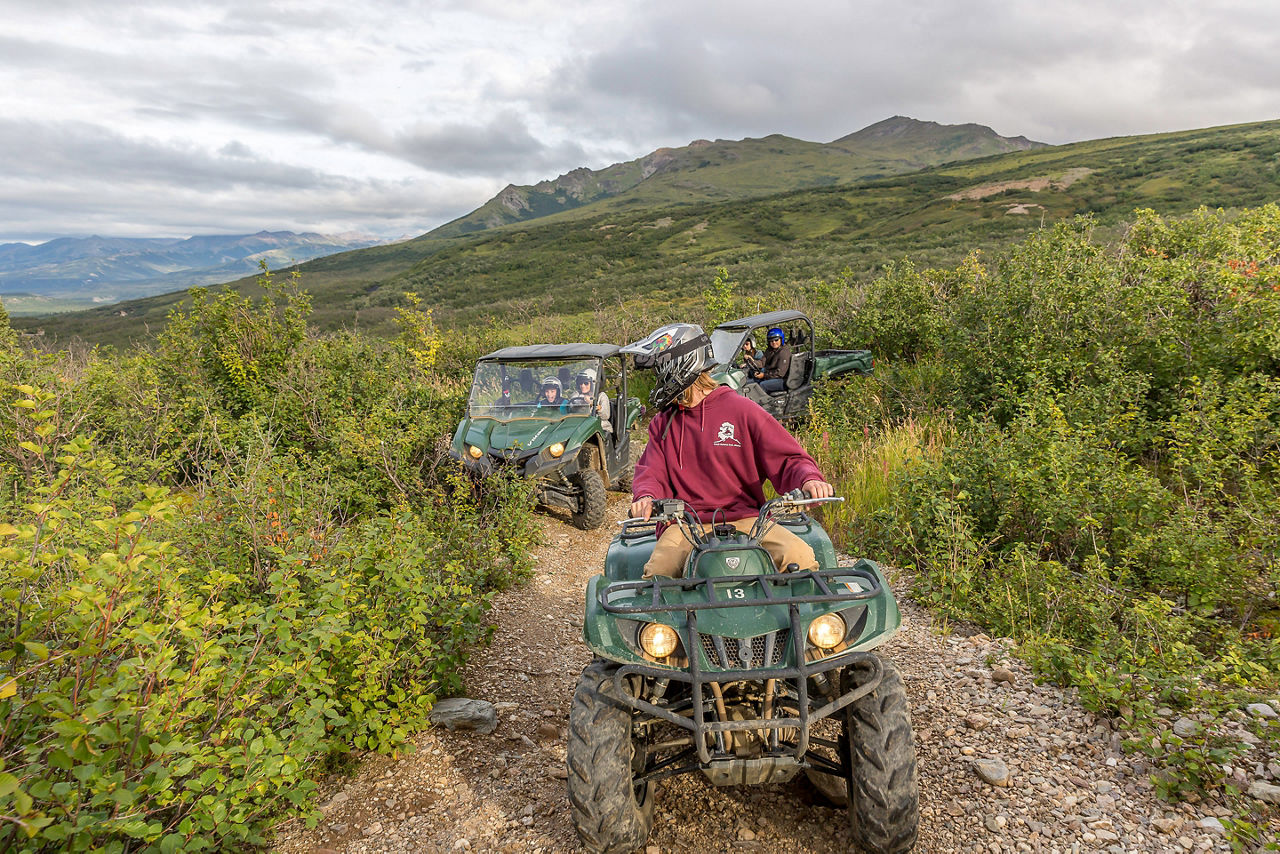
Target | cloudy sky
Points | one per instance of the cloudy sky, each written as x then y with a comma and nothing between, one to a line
179,117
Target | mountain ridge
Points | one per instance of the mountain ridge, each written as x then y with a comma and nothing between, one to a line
619,259
891,146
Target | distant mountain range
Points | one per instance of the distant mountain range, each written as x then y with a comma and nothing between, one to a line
728,169
85,271
774,212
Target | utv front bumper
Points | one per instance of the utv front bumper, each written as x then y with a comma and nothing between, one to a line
552,474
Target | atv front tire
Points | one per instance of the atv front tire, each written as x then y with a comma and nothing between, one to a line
611,814
594,499
884,793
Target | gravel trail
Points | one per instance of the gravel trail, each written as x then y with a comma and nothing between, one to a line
974,706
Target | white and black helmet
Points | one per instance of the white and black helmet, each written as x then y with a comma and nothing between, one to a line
677,353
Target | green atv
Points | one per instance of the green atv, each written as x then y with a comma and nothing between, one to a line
565,445
809,365
743,673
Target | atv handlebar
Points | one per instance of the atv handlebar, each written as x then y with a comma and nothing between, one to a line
796,498
673,511
664,510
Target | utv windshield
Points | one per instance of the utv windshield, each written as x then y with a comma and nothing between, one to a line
525,389
725,343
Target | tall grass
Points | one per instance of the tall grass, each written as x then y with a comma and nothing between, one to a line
864,467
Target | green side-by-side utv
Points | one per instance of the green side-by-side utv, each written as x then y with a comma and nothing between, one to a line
809,365
558,414
743,673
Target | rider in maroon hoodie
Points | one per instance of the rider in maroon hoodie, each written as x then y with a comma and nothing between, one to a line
713,449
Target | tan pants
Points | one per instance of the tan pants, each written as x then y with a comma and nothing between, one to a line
672,549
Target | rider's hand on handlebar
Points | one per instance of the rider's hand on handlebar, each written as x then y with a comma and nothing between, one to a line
642,508
812,488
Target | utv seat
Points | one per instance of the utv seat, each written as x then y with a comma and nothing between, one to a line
798,371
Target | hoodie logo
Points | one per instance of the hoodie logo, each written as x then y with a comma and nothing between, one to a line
726,439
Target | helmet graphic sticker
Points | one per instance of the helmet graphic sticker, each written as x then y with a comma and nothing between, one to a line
677,353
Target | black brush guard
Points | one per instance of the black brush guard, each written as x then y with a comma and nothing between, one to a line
698,679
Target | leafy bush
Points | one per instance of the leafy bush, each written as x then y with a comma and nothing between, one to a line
262,557
1109,492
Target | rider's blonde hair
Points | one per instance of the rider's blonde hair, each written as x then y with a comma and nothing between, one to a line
703,383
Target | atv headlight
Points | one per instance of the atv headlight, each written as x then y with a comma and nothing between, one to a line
474,452
827,631
556,450
658,640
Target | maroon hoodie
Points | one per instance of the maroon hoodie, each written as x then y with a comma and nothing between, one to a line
717,455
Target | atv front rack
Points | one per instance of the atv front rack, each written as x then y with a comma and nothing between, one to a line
703,594
655,591
798,676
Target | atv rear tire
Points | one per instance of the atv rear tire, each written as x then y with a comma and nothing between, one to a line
884,792
610,813
594,499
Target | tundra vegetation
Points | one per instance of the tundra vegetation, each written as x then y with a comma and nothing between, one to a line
227,559
236,554
667,246
1077,445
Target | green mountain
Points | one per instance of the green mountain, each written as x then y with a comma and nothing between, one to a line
610,256
721,170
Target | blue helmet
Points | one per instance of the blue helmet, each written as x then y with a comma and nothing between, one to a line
776,332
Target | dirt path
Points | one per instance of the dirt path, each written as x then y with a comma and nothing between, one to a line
1069,787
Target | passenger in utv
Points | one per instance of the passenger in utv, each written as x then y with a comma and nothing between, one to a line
713,449
584,384
552,396
751,358
777,361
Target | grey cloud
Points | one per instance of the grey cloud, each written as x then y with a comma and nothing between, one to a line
214,194
175,86
236,148
66,151
389,210
504,144
625,79
819,70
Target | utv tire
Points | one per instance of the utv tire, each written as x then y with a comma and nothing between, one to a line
884,792
611,815
594,499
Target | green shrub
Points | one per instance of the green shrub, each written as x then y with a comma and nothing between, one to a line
260,558
178,675
1109,494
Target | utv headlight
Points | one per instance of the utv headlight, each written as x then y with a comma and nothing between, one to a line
474,452
827,631
556,450
658,640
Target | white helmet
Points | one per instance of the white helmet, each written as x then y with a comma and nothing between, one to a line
678,353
